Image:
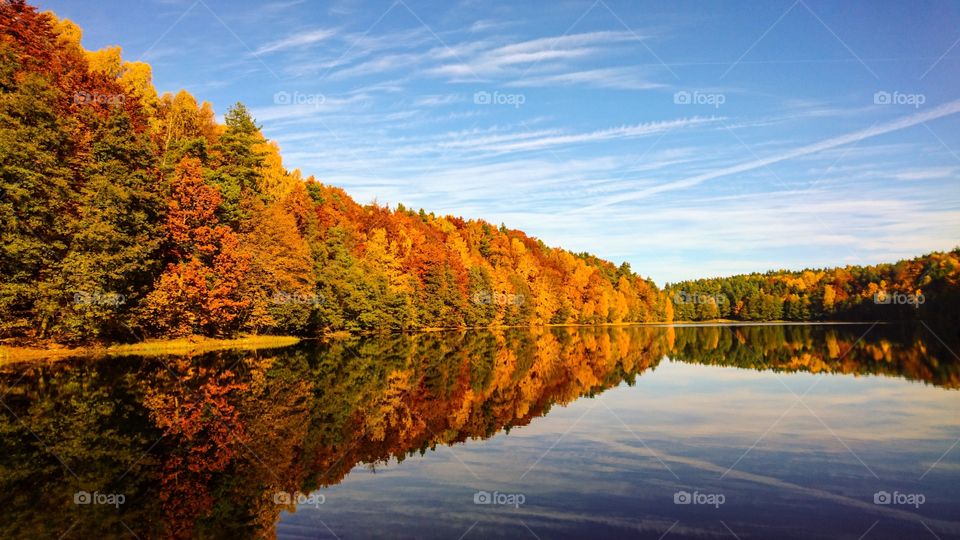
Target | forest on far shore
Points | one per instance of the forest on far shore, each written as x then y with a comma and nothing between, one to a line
921,288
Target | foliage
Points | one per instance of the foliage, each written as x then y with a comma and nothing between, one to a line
924,287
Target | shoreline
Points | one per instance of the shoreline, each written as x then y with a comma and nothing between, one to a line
10,354
711,322
157,347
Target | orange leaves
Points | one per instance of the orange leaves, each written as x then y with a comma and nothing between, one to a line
201,419
203,292
193,298
225,302
174,306
191,214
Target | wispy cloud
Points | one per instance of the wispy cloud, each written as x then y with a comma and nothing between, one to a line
928,173
355,49
306,109
946,109
618,78
476,144
302,39
376,66
621,132
496,61
437,100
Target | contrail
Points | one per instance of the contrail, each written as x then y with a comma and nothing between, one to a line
946,109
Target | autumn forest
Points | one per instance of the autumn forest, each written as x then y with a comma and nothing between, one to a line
127,215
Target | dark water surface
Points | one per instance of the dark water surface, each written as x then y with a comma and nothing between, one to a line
814,431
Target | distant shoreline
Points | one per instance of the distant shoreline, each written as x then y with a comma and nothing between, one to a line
730,322
198,344
712,322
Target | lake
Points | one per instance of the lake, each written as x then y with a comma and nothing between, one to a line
765,431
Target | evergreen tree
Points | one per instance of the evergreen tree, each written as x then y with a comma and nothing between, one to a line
239,158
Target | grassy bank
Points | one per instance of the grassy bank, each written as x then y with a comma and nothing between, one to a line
159,347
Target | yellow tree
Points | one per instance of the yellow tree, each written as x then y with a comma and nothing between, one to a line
137,80
107,61
281,282
274,181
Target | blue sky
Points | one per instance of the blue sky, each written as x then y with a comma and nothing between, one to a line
690,139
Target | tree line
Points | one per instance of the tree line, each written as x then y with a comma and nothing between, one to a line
923,288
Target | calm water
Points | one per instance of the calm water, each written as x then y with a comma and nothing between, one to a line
674,432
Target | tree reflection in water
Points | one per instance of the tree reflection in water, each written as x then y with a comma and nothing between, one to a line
207,446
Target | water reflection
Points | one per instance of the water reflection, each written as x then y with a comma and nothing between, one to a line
222,444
